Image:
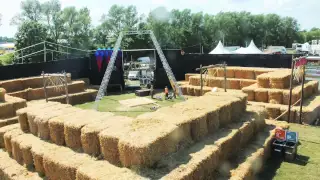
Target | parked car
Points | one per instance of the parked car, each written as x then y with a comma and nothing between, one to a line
277,50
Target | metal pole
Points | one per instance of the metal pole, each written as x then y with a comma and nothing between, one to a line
66,87
302,94
45,52
51,55
201,83
122,62
44,86
225,76
202,49
290,94
67,53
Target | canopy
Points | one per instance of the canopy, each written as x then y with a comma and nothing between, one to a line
251,49
219,49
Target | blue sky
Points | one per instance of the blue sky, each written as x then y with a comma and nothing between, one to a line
307,12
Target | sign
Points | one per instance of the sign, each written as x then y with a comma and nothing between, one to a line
280,134
292,136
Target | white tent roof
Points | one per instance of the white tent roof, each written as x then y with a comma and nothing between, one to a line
251,49
219,49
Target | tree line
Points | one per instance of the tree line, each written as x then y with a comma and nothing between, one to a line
174,29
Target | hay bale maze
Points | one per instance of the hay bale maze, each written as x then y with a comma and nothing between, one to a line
188,140
237,78
31,88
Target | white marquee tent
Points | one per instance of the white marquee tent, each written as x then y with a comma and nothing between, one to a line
219,49
251,49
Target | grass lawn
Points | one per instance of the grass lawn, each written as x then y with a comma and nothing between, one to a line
307,164
110,104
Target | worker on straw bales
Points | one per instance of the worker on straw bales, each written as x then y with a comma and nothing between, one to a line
166,92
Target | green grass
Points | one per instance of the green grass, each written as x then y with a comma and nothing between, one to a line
111,104
307,164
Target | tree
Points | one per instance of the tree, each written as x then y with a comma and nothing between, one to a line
30,33
53,19
30,11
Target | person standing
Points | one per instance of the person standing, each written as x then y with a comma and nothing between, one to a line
166,92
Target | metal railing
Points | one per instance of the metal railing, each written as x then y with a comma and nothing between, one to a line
23,55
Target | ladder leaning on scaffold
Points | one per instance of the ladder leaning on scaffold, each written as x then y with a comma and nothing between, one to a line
106,77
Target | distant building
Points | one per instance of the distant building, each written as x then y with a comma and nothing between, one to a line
6,48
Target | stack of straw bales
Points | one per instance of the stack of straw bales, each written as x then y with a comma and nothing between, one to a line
12,85
263,80
279,79
244,73
246,82
214,81
250,91
219,72
2,94
273,111
194,80
275,96
188,75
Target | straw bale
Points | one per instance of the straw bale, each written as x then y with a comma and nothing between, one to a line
2,94
10,169
315,87
220,72
275,96
273,111
7,139
147,142
246,131
72,128
231,84
200,164
5,129
194,80
249,90
16,150
197,90
246,82
259,71
3,123
229,144
109,141
12,120
32,116
35,94
18,103
32,82
6,110
184,89
280,80
76,86
22,114
213,72
56,127
12,85
90,135
285,116
294,97
187,76
38,150
308,89
190,90
261,95
263,80
258,116
42,121
63,163
214,81
96,170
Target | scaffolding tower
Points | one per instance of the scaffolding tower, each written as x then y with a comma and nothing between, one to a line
106,77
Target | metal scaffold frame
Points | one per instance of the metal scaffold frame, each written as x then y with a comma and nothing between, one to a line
106,77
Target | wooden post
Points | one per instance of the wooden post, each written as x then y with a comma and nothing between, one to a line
66,87
290,94
302,93
44,86
225,76
201,83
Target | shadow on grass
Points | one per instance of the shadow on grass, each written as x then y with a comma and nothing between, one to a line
274,163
